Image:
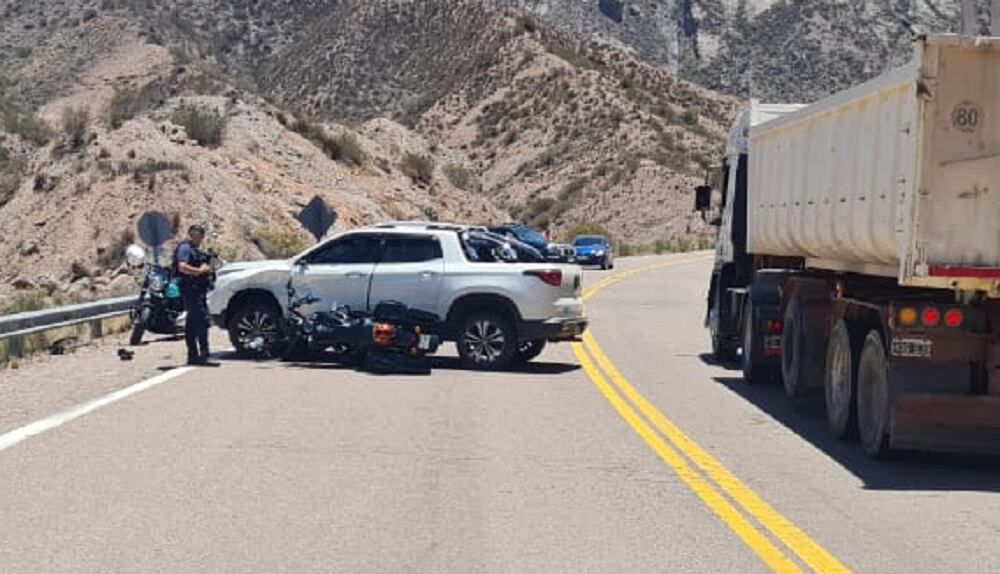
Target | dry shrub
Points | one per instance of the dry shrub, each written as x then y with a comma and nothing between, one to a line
204,126
127,104
419,168
11,172
461,177
75,123
344,147
280,243
24,301
27,126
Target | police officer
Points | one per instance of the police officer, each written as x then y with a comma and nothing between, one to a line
193,268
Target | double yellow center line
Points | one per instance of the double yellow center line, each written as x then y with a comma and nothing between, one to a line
739,507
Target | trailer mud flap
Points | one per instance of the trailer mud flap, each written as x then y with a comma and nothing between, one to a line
968,424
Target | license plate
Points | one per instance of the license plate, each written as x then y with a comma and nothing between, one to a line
425,343
912,348
772,341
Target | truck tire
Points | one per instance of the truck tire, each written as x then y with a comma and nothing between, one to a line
487,341
873,397
840,383
257,319
528,350
753,371
722,351
793,371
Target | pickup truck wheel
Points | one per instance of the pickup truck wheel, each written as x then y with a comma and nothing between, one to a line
256,330
528,350
873,397
486,341
841,382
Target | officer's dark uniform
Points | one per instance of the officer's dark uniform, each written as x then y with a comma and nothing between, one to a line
194,291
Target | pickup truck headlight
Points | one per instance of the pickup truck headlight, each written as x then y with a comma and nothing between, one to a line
599,253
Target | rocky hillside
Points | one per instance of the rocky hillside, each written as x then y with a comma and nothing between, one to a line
237,113
778,50
135,126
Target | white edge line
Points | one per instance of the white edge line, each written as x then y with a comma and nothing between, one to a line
21,434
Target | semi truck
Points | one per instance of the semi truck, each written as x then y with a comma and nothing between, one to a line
858,251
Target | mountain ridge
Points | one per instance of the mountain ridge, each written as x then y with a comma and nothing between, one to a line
389,109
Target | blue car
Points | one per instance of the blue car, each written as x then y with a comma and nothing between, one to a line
594,250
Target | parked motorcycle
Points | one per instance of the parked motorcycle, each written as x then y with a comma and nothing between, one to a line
393,338
159,308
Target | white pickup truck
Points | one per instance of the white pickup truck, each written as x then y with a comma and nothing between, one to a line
498,311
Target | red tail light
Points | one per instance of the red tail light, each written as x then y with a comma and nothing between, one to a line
772,325
550,276
954,317
930,316
382,334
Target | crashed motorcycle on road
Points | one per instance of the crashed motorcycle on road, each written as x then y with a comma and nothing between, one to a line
392,339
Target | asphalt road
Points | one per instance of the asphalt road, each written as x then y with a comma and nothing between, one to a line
630,452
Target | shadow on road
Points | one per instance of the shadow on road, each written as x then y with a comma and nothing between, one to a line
903,471
533,368
160,339
709,359
332,362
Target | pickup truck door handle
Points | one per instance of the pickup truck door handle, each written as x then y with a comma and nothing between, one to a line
355,275
427,274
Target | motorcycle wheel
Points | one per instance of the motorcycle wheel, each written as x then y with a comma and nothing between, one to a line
296,350
139,327
528,350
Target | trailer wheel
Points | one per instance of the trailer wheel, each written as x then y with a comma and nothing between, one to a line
753,371
873,396
841,382
793,371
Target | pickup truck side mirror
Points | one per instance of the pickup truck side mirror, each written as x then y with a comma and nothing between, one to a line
703,198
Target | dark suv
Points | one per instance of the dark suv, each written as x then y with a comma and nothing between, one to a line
533,238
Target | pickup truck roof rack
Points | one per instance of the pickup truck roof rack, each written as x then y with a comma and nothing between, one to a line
429,225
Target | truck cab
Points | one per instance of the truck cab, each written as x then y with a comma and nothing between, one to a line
722,200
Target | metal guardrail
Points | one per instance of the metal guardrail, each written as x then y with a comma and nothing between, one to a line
33,321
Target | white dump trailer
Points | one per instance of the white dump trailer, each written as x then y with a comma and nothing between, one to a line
859,250
897,177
